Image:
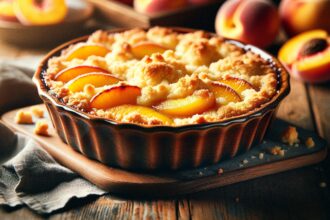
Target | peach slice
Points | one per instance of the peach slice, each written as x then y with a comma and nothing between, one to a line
188,106
239,85
72,72
7,11
40,12
290,50
146,48
96,79
225,92
83,51
114,96
121,111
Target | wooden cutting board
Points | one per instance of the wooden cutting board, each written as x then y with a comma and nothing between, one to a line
131,184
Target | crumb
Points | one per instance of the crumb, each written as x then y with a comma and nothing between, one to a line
310,142
23,117
37,111
290,135
237,199
277,150
296,145
245,161
241,165
253,157
220,171
200,173
261,156
323,184
41,128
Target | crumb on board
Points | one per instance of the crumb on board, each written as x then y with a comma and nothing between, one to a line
37,111
261,156
220,171
323,184
23,117
253,157
237,199
277,150
245,161
310,142
290,135
41,128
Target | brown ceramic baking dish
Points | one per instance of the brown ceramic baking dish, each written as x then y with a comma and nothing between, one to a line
136,147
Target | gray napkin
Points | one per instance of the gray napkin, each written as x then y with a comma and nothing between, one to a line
30,176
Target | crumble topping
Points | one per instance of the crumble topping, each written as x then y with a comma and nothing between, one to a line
188,66
41,128
23,117
290,136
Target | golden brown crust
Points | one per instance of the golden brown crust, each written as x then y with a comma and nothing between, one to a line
191,63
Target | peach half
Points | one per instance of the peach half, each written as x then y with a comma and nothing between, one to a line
188,106
250,21
96,79
114,96
7,11
72,72
122,110
307,56
147,48
83,51
40,12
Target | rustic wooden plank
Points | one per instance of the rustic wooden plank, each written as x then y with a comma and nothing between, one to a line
320,101
295,107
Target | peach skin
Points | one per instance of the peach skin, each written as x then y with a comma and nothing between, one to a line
307,56
303,15
157,6
250,21
42,12
7,11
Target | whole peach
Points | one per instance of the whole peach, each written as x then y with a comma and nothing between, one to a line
303,15
156,6
250,21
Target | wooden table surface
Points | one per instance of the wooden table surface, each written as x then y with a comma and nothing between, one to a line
295,194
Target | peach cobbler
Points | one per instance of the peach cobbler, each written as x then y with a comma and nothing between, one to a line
160,77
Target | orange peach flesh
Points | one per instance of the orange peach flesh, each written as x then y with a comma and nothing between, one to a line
72,72
84,51
289,52
146,49
121,111
49,12
96,79
115,96
188,106
156,6
314,68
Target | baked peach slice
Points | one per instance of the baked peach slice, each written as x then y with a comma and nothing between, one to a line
96,79
146,48
197,103
83,51
40,12
7,11
148,113
114,96
224,92
72,72
237,84
307,56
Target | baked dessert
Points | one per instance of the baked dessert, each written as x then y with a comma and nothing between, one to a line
160,77
160,98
